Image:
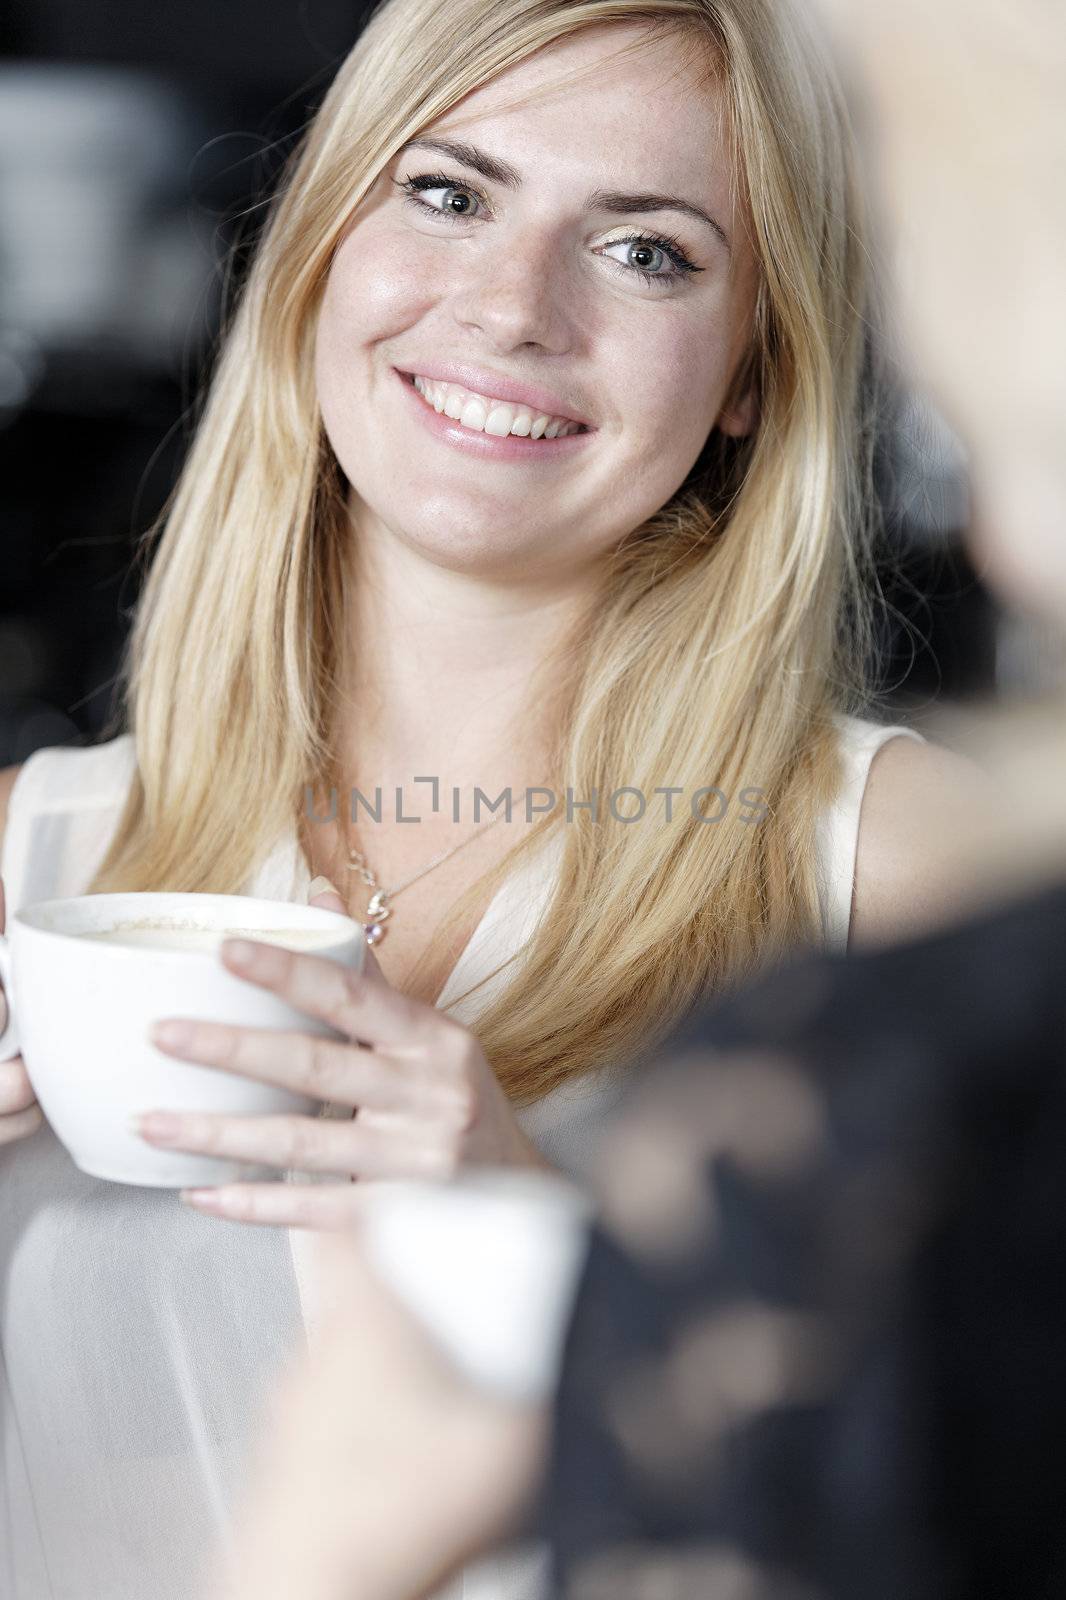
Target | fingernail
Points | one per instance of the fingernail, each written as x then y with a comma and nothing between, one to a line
200,1197
174,1033
320,886
159,1125
240,951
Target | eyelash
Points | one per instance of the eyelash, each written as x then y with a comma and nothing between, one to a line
670,246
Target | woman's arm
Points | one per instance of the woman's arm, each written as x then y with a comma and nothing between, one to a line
20,1115
924,810
381,1469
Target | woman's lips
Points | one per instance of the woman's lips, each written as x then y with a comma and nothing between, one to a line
486,445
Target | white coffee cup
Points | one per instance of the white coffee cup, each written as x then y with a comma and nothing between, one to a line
80,1008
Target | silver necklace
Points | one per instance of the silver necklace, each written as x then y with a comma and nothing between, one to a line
379,909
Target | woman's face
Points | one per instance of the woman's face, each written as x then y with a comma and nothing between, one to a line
530,275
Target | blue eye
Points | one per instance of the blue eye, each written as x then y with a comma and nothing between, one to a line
656,245
432,182
662,246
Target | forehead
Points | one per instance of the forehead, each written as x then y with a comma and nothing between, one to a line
611,100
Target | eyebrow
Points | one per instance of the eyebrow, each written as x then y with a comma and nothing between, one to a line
613,200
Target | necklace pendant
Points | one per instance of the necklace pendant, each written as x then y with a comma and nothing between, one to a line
377,907
374,932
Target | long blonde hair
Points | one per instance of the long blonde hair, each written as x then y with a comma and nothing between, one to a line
731,624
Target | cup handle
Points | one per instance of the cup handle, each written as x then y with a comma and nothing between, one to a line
9,1039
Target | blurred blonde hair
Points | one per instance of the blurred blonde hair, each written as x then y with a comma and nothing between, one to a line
924,77
731,624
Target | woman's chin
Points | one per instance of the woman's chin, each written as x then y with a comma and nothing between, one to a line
459,536
475,552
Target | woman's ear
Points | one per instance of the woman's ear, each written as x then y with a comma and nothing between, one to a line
738,418
739,415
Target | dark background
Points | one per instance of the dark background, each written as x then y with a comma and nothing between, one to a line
137,145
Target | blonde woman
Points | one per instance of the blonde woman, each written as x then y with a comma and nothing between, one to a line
641,220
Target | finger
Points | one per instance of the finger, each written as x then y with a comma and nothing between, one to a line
349,1000
327,898
326,1069
16,1090
20,1124
308,1144
278,1205
330,900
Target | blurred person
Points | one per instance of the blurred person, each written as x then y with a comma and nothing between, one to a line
656,584
816,1350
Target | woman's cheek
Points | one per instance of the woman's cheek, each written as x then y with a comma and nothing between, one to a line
335,400
675,403
383,283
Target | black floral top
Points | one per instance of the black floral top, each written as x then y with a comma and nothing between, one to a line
820,1346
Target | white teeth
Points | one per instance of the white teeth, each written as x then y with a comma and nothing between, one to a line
474,413
495,417
499,420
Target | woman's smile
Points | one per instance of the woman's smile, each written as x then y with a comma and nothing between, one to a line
467,421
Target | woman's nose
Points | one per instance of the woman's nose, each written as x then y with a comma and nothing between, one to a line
517,293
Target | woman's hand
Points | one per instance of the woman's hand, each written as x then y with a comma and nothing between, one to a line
345,1498
424,1098
20,1115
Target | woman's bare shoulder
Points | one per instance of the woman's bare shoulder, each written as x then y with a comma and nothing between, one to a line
921,805
7,783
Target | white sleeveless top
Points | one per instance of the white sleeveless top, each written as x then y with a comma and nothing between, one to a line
140,1340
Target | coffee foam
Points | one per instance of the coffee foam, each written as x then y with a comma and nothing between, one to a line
185,933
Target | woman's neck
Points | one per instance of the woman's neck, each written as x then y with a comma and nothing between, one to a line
449,674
